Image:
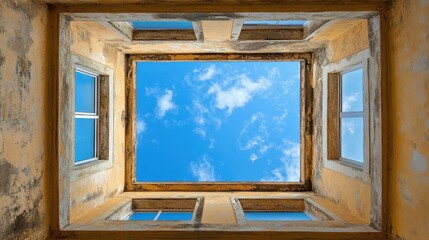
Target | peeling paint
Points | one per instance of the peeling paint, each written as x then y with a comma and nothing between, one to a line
409,80
418,162
350,193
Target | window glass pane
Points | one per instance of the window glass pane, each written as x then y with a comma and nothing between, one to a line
352,91
276,216
175,216
85,139
202,121
161,25
85,93
142,216
276,23
352,138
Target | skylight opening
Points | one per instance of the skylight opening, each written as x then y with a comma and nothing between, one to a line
299,23
161,25
218,121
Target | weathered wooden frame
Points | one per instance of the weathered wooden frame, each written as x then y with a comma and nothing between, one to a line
315,210
306,123
195,205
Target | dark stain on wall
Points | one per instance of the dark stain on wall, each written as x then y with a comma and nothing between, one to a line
8,174
93,196
2,59
123,118
23,219
320,60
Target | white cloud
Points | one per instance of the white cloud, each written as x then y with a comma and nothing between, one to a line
212,142
238,95
264,148
280,119
290,170
151,91
200,131
347,101
208,73
253,157
203,170
199,120
350,127
165,103
253,142
141,126
254,134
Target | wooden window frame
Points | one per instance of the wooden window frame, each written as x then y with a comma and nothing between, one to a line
332,78
306,125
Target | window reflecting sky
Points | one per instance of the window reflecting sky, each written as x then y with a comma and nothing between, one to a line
352,89
218,121
352,127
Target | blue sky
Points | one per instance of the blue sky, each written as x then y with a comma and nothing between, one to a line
218,121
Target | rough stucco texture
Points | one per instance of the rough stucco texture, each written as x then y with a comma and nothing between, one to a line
92,190
23,128
409,78
348,192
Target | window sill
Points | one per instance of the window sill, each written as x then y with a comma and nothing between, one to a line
85,169
348,169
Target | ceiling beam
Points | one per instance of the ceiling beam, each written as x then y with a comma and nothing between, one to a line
313,27
122,29
236,29
271,34
164,35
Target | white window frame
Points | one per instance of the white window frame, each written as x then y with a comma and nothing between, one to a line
94,115
351,169
354,114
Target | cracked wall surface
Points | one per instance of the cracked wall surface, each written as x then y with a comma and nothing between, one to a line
23,129
409,85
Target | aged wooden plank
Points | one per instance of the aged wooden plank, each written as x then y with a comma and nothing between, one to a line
164,35
122,29
333,126
284,34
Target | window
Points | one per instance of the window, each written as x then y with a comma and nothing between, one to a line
279,23
86,116
276,216
202,121
160,209
161,25
160,216
346,116
351,115
248,209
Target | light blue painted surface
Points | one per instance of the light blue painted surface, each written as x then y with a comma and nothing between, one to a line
175,216
142,216
161,25
276,23
276,216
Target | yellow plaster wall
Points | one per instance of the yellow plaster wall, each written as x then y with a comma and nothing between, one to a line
90,191
409,93
23,129
346,191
